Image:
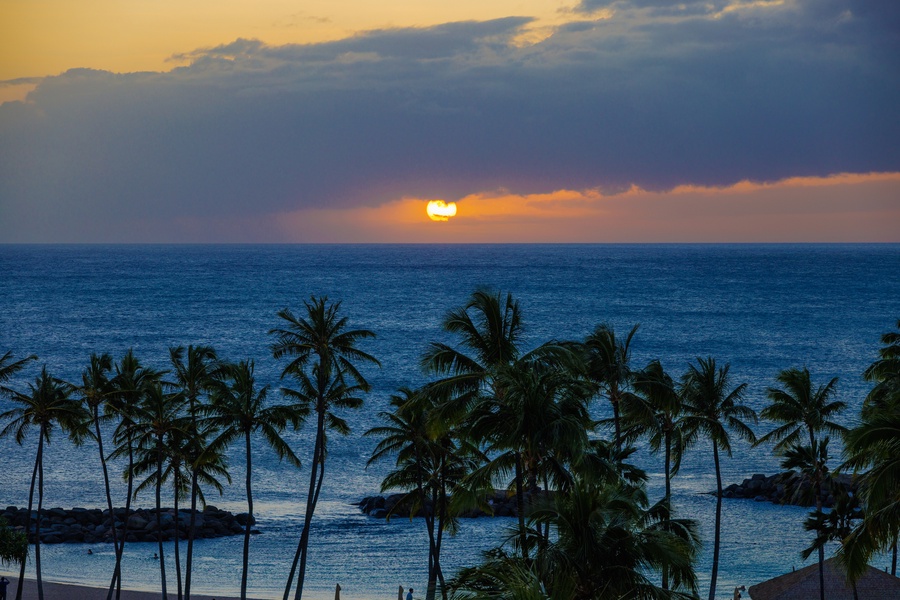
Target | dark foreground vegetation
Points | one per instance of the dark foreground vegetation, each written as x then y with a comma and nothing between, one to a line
493,415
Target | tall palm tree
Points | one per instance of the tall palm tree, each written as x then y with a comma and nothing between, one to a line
656,411
239,409
801,409
489,328
871,447
538,426
131,385
713,408
158,417
321,352
193,370
608,361
48,404
874,445
95,390
430,464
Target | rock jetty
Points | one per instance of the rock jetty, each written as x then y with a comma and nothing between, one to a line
786,488
83,525
501,503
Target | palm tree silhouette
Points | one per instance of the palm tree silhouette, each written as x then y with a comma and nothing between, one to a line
713,408
321,352
239,410
48,404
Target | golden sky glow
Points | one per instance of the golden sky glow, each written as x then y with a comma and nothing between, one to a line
808,209
46,37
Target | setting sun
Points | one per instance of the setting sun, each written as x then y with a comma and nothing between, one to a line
438,210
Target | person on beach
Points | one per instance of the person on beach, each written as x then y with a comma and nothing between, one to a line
3,583
409,594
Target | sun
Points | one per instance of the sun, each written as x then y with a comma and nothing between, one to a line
438,210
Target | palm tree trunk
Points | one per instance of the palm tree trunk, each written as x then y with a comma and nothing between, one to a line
109,504
120,550
665,569
717,540
304,535
818,489
442,518
177,538
192,528
429,521
162,558
34,474
188,567
520,507
894,558
249,520
37,542
301,576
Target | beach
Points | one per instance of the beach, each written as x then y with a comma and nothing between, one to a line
65,591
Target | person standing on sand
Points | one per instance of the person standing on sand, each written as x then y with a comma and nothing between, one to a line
3,583
409,594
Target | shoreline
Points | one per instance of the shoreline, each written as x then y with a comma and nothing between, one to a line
57,590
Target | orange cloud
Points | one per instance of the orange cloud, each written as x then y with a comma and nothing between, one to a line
846,207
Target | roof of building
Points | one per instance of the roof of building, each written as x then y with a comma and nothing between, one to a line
804,584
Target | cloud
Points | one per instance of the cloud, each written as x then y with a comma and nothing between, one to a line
806,88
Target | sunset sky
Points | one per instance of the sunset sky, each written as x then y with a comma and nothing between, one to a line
543,120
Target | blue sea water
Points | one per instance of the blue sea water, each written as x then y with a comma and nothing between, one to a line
761,308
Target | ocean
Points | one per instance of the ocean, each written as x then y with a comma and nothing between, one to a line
761,308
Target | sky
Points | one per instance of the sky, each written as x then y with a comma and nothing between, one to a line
542,120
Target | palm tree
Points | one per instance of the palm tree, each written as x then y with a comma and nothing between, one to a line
884,398
431,463
321,352
489,328
656,411
239,409
193,372
874,444
158,417
885,372
131,385
538,427
608,543
48,404
798,407
713,408
609,367
95,390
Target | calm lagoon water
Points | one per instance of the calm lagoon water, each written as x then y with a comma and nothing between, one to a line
760,307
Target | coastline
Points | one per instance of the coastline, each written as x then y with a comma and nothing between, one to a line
54,590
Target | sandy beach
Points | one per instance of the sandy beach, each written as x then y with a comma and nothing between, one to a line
64,591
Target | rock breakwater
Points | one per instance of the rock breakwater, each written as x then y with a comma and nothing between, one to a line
500,504
789,487
83,525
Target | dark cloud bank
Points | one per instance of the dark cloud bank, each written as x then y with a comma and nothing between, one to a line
811,87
